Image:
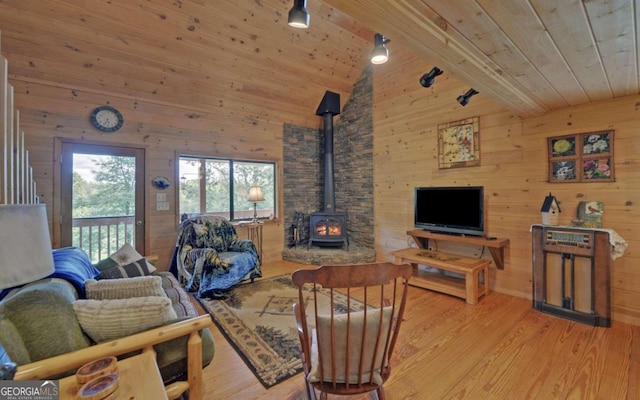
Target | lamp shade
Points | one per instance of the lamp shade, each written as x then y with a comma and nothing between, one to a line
255,194
25,244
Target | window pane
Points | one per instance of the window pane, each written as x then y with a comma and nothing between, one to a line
218,188
245,175
189,185
103,203
206,187
103,186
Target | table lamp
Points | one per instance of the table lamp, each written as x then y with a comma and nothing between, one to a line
25,244
255,195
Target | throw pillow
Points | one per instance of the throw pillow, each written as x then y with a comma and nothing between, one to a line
137,268
321,342
106,264
126,255
139,286
105,320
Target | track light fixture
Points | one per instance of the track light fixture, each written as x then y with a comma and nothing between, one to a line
427,79
380,54
298,15
464,98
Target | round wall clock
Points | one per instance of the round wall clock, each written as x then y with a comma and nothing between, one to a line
107,119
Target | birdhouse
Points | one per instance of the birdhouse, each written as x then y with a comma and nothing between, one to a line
550,210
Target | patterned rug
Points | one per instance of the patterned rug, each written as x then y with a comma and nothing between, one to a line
257,320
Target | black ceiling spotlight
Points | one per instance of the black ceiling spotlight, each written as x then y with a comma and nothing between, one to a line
464,98
428,78
380,54
298,15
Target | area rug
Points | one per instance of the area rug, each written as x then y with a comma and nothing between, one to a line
257,320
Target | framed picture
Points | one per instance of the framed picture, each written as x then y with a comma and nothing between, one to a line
564,171
563,146
459,143
584,157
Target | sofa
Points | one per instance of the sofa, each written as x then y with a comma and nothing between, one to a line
54,316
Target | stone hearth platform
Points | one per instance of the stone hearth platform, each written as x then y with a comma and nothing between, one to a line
326,255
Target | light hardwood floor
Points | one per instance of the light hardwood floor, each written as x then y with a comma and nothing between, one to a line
500,348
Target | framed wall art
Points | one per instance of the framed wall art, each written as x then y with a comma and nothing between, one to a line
583,157
459,143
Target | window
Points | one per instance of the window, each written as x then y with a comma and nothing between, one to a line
221,187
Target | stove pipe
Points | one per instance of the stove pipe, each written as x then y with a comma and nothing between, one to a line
329,106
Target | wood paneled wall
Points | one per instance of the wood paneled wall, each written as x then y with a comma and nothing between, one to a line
513,170
54,114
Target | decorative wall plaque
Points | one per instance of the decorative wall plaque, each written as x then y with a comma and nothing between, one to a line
459,143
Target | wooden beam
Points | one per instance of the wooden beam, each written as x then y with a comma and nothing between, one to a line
427,33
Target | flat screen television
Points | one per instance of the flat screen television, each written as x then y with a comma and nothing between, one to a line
450,210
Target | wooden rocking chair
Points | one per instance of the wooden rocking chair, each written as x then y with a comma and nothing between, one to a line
348,318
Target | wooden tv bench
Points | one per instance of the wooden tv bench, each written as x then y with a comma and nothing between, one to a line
496,246
467,288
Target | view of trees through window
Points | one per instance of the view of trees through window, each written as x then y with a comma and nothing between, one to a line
221,187
104,186
103,203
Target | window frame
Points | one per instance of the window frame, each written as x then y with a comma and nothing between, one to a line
202,201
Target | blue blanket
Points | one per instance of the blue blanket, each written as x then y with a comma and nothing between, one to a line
72,265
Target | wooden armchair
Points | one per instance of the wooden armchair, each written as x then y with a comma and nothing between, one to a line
144,341
347,340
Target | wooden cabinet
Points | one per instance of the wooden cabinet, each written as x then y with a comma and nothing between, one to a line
572,273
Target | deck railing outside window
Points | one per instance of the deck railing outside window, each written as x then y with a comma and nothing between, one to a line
100,237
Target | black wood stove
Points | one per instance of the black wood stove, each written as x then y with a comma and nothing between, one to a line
328,227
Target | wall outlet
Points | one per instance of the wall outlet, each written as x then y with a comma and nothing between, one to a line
162,205
161,197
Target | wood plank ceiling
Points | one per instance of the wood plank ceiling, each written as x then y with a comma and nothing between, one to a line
531,56
205,56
